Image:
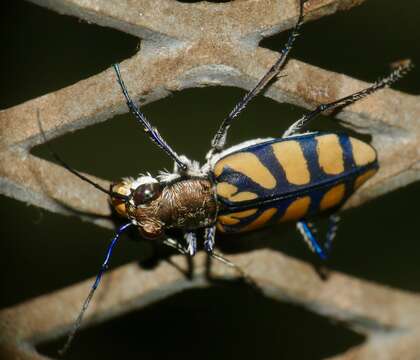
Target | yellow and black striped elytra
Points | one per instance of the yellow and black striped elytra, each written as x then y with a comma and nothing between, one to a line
289,179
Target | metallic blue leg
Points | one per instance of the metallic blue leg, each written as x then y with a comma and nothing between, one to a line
209,235
191,240
93,288
308,236
331,232
310,239
175,245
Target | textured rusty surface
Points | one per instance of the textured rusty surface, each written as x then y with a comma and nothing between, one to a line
359,304
186,46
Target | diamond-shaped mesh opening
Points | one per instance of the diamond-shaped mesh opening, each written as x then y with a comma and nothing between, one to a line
226,322
46,52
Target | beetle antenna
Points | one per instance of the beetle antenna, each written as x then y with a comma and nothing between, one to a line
86,303
73,171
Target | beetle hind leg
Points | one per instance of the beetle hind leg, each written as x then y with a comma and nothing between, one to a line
191,240
308,234
333,221
209,235
219,139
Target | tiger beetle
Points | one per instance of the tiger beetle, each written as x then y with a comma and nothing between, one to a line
247,186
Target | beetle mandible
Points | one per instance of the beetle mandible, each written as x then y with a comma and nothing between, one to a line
247,186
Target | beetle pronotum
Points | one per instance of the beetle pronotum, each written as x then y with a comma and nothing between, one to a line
244,187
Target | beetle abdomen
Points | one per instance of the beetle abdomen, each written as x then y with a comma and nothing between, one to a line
288,179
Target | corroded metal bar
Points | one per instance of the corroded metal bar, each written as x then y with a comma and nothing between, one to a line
380,113
358,303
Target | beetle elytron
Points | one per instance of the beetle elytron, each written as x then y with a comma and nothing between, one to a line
250,185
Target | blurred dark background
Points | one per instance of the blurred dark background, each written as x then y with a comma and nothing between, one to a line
43,51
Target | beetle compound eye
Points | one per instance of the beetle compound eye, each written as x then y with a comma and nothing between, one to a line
146,193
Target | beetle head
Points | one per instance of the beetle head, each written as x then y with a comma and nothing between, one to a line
141,204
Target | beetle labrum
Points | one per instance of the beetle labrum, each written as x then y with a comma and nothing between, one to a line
249,185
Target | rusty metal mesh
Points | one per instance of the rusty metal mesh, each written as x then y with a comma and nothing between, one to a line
194,45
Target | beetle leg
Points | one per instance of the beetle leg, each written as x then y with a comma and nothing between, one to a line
333,221
151,131
308,234
309,238
209,235
219,139
209,246
399,70
191,240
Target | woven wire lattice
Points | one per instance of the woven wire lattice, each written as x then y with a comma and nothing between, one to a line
195,45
